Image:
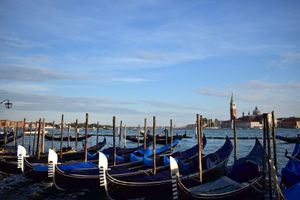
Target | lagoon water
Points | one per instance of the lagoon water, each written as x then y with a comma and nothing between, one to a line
18,187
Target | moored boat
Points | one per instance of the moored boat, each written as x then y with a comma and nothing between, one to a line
288,139
9,163
290,174
85,175
146,185
242,181
65,138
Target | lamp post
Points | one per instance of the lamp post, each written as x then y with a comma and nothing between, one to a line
7,105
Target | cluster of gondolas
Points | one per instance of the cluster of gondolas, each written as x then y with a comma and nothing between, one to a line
147,172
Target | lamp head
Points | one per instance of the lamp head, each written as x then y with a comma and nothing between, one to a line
8,105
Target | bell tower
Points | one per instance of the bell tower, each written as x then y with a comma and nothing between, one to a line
232,108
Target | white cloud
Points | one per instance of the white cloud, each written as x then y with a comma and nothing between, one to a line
18,42
20,72
286,60
127,79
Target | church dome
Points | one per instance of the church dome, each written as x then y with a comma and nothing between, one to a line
256,111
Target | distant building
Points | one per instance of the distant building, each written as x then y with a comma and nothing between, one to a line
12,124
249,121
232,108
256,112
291,122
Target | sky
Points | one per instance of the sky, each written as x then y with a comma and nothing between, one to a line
137,59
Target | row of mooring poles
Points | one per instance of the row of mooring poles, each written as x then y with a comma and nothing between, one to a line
269,119
145,136
37,146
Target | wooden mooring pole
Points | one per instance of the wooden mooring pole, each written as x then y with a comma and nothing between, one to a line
86,136
114,140
166,135
235,139
38,139
30,135
69,142
97,139
269,155
124,138
199,129
120,133
16,135
171,134
5,135
23,139
154,145
274,140
34,138
76,134
264,155
139,133
43,137
53,130
61,135
145,133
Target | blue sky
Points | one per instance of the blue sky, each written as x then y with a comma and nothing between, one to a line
135,59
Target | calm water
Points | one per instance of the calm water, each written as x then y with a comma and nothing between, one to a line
18,187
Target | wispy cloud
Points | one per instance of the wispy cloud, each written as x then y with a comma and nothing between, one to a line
18,72
18,42
46,102
127,79
170,106
286,60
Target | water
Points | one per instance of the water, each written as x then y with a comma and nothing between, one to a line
18,187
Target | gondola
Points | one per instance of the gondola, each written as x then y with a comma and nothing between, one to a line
159,138
145,185
181,155
86,176
65,138
8,163
38,169
2,135
122,154
294,139
290,174
9,139
141,153
243,180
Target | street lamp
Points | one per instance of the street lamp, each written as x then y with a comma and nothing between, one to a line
7,105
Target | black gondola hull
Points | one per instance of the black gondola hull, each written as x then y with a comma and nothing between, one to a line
9,166
119,189
250,192
64,181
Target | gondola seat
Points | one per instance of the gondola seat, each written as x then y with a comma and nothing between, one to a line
218,186
244,171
